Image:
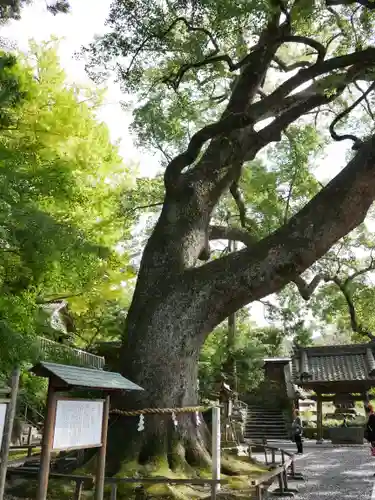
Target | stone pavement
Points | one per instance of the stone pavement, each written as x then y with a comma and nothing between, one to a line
334,473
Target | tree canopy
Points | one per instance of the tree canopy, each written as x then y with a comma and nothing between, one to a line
240,99
11,9
61,183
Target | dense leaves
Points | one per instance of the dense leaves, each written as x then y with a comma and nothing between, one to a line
61,183
252,344
182,64
11,9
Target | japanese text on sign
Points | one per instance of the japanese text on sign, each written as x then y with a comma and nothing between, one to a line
78,424
3,411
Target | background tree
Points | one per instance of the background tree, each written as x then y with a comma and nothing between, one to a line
215,84
345,281
252,345
11,9
61,185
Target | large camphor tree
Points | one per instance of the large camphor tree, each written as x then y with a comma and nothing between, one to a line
217,82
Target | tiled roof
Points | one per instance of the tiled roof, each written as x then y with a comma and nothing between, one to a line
74,376
349,363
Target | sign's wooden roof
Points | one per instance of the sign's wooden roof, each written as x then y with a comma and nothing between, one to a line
329,365
65,376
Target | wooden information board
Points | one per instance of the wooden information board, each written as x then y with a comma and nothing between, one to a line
78,424
3,411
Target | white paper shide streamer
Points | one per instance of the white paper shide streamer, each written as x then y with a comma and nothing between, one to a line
197,419
141,423
174,420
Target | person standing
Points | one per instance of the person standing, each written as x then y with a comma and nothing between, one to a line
297,431
370,428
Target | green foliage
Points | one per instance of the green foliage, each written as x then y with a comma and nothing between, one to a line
11,9
61,184
251,346
159,53
349,264
303,336
276,188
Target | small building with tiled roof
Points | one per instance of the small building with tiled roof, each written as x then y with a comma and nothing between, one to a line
340,373
335,369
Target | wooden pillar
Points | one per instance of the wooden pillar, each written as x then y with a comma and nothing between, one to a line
7,434
100,473
319,418
366,399
47,442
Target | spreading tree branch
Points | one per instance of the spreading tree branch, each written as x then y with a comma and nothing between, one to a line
360,272
368,105
240,202
307,290
364,3
314,44
236,120
228,284
131,210
291,67
231,233
356,326
355,139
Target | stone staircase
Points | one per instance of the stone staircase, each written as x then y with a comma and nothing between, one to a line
265,423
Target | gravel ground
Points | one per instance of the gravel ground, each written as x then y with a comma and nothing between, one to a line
334,473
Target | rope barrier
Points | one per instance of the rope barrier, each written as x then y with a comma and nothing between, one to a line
160,411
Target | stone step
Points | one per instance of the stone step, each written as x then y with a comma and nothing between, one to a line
264,417
268,437
265,429
268,417
259,408
265,423
264,412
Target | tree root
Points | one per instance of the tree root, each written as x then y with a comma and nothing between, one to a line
236,469
183,460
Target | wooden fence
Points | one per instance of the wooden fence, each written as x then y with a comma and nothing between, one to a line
282,473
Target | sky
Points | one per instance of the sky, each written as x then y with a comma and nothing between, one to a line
87,18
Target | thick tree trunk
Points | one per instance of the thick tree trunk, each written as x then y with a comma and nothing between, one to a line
160,354
176,305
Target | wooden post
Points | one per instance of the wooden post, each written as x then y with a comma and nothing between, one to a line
100,472
114,491
8,426
292,468
319,419
231,339
78,490
216,458
48,431
281,483
366,400
29,439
